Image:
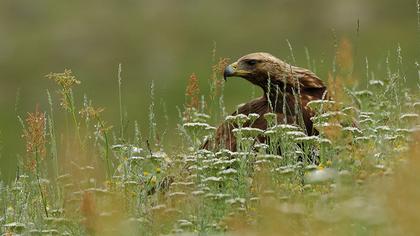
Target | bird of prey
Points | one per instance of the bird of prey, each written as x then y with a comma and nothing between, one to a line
286,91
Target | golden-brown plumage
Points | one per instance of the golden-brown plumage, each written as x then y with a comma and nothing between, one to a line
281,84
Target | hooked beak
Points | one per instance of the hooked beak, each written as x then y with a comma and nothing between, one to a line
230,71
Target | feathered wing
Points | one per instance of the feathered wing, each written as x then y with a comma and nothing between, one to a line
311,88
307,79
225,139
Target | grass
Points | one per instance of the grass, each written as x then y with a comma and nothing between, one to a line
91,179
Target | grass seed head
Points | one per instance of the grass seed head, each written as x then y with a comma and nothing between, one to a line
34,135
66,79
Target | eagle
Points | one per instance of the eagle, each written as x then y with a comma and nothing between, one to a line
287,89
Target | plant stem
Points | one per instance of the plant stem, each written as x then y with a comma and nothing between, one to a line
44,201
108,166
120,102
73,113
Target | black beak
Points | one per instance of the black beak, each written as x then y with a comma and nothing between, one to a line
229,71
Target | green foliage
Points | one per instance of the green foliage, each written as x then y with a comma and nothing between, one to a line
92,181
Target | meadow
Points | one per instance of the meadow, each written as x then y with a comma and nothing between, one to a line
83,151
357,177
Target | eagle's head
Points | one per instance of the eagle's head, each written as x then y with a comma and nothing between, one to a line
262,68
257,68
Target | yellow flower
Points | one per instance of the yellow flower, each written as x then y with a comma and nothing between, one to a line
145,173
158,170
153,180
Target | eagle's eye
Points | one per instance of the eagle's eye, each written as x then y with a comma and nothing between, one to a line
251,62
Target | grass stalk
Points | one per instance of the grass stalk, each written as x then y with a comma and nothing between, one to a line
120,102
37,174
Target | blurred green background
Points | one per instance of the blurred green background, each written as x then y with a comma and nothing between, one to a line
167,41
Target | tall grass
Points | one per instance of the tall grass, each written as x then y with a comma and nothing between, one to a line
358,176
